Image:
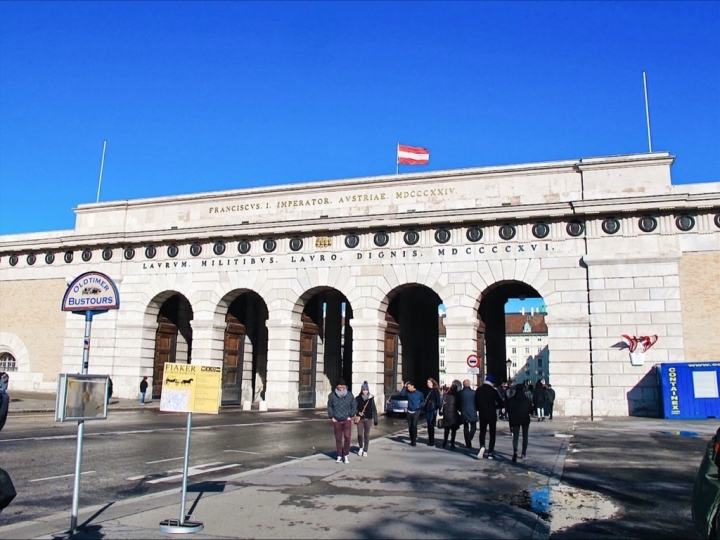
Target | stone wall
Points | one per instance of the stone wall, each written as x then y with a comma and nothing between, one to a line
700,292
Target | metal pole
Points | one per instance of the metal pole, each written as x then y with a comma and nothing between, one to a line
185,469
102,164
647,112
81,429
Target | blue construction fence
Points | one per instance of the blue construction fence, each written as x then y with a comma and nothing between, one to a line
689,390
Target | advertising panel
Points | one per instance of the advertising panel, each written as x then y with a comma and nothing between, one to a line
191,388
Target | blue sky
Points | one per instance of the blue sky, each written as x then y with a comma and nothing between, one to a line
206,96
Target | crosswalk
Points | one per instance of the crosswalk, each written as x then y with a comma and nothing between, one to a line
176,474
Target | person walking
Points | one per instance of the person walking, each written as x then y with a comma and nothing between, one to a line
109,390
415,405
341,408
549,401
487,401
432,405
538,398
367,411
143,389
4,381
4,398
451,417
519,408
468,412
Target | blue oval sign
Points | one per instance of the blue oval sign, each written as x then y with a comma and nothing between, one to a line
91,291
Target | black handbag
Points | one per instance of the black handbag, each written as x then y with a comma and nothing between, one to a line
7,490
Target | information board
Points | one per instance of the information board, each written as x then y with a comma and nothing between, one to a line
81,397
191,388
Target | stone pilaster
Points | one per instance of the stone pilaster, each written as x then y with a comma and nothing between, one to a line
283,363
460,342
369,354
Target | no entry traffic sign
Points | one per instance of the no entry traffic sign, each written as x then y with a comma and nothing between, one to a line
473,361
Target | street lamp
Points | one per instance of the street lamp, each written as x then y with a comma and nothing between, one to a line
508,364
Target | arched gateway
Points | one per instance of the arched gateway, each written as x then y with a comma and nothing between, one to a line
289,288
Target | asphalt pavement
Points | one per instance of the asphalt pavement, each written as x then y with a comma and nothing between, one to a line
626,477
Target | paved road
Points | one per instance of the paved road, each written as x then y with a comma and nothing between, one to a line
138,453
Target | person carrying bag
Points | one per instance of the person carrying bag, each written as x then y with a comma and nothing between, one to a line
366,416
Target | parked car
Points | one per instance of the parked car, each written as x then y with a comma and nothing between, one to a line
706,492
397,404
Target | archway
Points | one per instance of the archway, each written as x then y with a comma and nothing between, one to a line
173,338
245,350
325,346
411,337
512,345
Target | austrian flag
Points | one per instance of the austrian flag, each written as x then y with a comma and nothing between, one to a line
412,155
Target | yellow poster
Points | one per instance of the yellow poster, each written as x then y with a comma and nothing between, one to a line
191,388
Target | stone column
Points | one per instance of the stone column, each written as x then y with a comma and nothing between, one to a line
134,357
369,353
208,343
460,342
283,362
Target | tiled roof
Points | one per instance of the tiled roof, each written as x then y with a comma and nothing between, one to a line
515,322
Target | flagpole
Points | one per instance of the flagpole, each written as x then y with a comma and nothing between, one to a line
102,164
397,159
647,112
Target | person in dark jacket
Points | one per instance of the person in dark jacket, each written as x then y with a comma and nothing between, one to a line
451,417
341,408
143,389
549,401
519,408
468,412
365,406
109,390
487,401
415,405
432,405
538,398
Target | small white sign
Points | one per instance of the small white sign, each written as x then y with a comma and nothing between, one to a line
474,371
705,384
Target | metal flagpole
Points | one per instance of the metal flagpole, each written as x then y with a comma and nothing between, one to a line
397,158
102,164
647,112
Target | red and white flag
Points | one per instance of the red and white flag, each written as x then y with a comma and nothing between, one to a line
412,155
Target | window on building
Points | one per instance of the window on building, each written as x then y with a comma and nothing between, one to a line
7,362
539,362
540,350
527,350
514,364
527,339
514,350
539,339
442,362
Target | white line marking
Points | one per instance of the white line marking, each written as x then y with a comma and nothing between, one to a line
159,430
243,452
192,473
56,477
292,457
196,467
164,460
133,478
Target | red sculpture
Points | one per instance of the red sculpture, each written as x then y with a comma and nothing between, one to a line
645,341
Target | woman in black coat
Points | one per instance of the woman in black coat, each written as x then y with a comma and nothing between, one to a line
432,405
451,416
519,408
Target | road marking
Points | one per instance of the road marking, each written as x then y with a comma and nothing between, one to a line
292,457
159,430
243,452
133,478
56,477
193,471
195,467
164,460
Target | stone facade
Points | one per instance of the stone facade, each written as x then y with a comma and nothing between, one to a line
599,239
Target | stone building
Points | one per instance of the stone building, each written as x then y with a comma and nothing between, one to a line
257,280
526,343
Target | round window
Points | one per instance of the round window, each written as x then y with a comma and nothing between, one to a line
243,246
195,249
13,260
296,243
717,220
381,239
269,245
442,236
150,252
86,255
575,228
49,258
610,226
685,222
474,234
68,257
411,238
31,259
507,232
540,230
129,253
219,247
107,254
352,240
173,251
647,224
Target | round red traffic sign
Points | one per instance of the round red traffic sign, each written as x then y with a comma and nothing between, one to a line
473,361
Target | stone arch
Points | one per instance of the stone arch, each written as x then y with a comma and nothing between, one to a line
12,344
